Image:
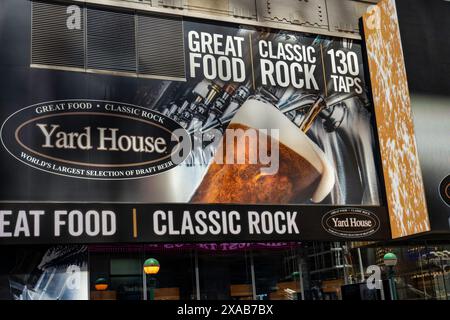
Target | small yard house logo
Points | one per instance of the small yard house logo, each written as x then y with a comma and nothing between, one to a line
350,222
444,190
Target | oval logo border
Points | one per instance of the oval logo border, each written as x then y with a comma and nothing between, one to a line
84,177
93,164
350,234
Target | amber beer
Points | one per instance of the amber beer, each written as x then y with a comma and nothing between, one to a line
304,173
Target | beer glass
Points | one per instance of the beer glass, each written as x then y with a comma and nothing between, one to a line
304,174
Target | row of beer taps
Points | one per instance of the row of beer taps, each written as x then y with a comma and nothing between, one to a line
212,105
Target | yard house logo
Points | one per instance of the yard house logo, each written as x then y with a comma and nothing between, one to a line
350,223
444,190
92,139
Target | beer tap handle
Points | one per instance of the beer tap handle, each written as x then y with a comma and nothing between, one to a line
336,110
333,116
312,113
332,110
202,89
296,103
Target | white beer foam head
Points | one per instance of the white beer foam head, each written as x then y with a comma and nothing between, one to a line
260,115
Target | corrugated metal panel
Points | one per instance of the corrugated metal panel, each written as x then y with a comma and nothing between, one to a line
160,46
52,42
111,43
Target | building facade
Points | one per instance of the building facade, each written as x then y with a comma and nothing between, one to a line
192,65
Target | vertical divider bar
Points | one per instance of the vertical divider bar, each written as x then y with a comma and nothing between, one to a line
252,270
197,276
136,41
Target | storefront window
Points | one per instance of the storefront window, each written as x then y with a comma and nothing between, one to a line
44,273
122,267
278,274
421,272
284,271
225,275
